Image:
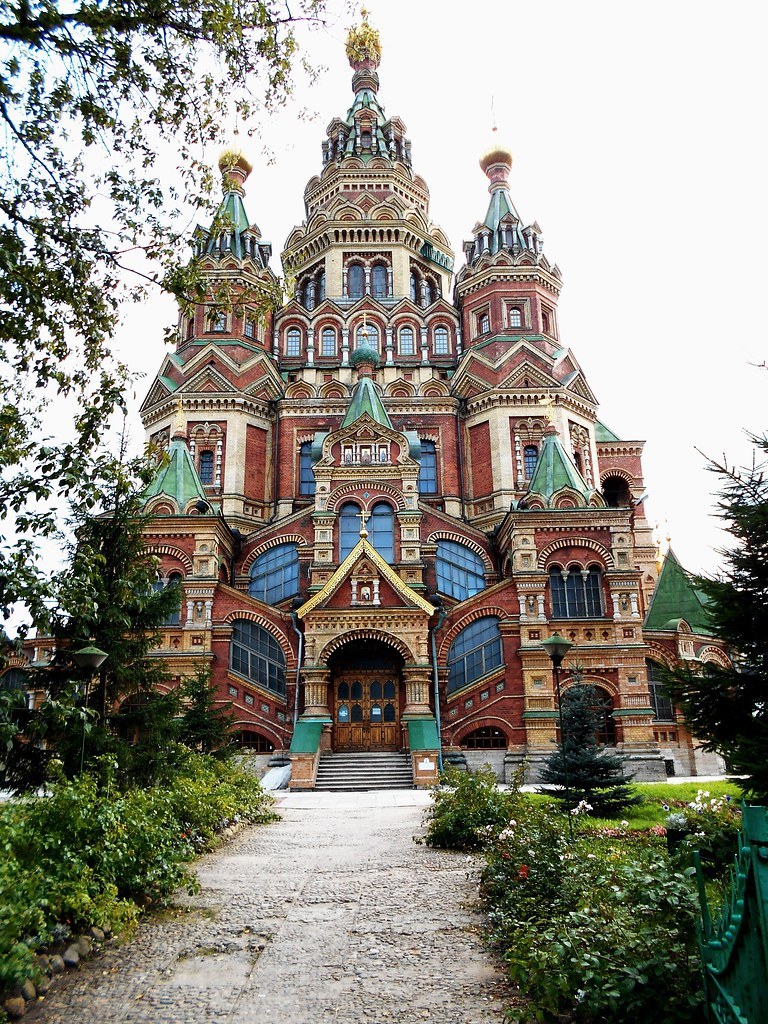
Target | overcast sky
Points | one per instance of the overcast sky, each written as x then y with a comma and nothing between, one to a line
638,134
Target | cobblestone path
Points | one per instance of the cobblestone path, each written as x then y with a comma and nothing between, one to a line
333,914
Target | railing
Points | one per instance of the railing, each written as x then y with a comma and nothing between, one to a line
734,946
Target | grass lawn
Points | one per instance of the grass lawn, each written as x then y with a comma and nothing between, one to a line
655,795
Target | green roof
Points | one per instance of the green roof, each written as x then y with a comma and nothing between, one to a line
178,478
366,399
603,433
676,598
555,469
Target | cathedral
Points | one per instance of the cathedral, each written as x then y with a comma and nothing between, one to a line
385,489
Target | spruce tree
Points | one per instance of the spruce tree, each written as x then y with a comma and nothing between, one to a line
205,724
727,707
580,768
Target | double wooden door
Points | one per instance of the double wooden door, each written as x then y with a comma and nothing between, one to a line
367,711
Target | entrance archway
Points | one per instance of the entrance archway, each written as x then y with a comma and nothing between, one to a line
366,683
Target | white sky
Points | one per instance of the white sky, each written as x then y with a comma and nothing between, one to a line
638,133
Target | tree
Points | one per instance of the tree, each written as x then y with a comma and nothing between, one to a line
205,724
727,708
580,769
91,97
107,596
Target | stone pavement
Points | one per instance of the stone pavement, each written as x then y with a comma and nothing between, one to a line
333,914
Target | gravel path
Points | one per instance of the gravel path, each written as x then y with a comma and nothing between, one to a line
333,914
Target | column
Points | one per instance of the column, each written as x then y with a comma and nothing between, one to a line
417,685
316,692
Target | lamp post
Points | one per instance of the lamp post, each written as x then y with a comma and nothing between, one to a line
91,659
557,647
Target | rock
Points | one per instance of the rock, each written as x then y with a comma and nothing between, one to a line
43,985
28,990
83,945
57,964
96,934
71,956
15,1007
44,963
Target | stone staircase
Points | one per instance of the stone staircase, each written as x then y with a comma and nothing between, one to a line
364,771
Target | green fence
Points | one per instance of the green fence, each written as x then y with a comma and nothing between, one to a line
734,944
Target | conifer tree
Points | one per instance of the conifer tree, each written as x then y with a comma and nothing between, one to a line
727,708
580,769
205,724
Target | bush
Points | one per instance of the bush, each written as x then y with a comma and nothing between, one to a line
87,854
466,809
708,824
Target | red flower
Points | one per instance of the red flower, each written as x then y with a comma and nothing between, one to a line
523,872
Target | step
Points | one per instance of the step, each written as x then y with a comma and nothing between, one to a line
364,770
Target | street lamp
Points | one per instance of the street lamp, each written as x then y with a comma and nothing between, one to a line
557,647
90,659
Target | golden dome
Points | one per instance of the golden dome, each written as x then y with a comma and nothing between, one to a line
232,158
496,154
363,44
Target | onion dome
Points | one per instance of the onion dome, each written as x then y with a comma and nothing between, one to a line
235,167
496,163
363,46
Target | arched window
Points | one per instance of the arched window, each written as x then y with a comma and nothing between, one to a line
515,317
414,287
255,654
255,742
381,530
530,458
474,653
459,570
379,281
577,593
205,468
441,341
249,329
306,473
485,324
407,342
320,290
308,298
605,727
14,679
173,618
355,281
293,342
349,528
616,492
275,574
428,468
328,342
427,293
663,708
486,738
368,337
217,321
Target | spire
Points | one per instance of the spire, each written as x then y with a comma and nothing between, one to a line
231,233
502,227
555,470
366,399
177,479
676,598
366,132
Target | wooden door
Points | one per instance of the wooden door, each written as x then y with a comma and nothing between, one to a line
367,712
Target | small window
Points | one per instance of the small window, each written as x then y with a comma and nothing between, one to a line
355,281
320,290
545,321
427,293
530,458
379,281
663,708
428,468
486,738
308,294
306,473
293,342
255,742
484,324
407,342
249,329
205,468
173,618
368,337
515,317
441,341
414,287
328,342
218,321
